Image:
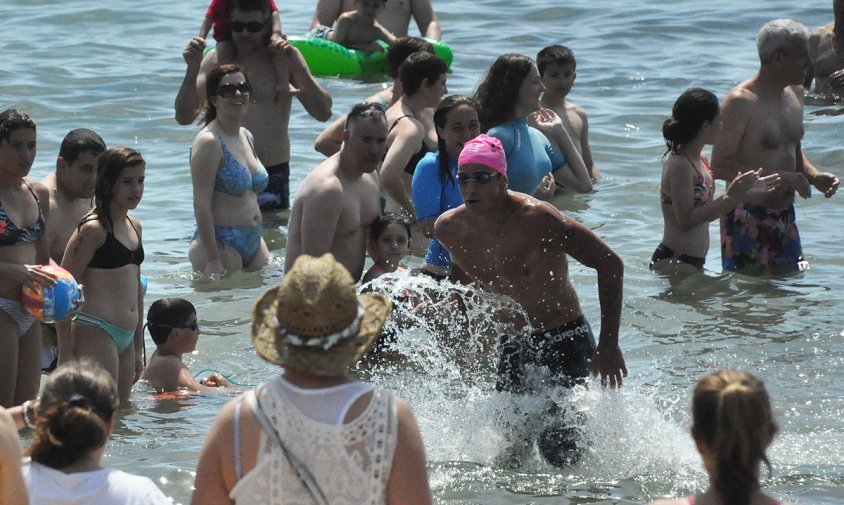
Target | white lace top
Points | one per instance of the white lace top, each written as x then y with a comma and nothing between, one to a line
350,462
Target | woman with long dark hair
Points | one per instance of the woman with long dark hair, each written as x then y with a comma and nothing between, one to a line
105,255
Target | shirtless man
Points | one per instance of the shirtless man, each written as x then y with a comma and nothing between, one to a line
338,200
762,128
395,17
71,189
826,50
515,245
269,114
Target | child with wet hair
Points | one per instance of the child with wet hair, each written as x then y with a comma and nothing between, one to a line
732,425
75,419
174,328
389,239
358,29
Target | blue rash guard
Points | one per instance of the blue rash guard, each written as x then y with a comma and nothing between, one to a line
529,154
431,198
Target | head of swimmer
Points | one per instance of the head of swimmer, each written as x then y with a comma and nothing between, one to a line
17,143
456,122
120,181
557,70
76,165
511,88
389,240
370,8
246,14
783,46
424,75
226,83
401,49
695,116
75,414
732,425
365,137
172,323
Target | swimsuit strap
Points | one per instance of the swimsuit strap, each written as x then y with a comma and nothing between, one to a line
399,119
697,171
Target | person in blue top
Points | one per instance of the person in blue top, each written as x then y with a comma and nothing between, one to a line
434,188
539,151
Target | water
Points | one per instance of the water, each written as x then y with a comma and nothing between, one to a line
116,66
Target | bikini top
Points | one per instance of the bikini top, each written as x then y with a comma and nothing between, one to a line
235,178
410,168
113,254
703,190
10,234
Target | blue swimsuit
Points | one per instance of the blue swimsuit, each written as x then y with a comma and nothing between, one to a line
529,154
432,197
235,178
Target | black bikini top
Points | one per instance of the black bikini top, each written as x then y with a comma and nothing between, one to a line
113,254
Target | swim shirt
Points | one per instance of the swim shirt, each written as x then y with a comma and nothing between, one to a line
529,154
432,197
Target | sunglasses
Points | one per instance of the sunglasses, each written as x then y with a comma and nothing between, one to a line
251,27
229,89
481,178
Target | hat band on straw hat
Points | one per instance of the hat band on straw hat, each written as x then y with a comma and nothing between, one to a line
327,342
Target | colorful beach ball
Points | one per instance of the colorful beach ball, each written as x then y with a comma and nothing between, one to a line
52,303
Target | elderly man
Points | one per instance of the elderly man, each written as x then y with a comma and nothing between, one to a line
338,200
763,128
269,112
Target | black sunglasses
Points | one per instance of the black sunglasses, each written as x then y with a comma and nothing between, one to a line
481,178
228,90
251,27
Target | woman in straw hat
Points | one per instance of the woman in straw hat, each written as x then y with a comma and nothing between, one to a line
314,434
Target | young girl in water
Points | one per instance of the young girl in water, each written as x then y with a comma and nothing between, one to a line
687,188
732,426
105,255
389,239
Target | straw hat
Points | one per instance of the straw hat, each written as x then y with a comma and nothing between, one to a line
315,321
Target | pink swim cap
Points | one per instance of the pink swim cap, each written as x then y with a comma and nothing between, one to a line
484,150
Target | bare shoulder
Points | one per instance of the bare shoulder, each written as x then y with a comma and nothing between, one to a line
206,139
40,190
322,180
136,223
572,108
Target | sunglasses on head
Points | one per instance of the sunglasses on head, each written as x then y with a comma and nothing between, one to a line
228,90
481,178
251,27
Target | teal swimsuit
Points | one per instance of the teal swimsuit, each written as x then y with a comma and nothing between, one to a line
530,155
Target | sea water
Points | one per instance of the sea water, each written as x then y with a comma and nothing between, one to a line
115,66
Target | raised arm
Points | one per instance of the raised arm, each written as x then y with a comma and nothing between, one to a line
191,93
331,139
426,19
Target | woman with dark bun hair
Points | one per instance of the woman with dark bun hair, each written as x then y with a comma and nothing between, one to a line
76,416
687,188
732,425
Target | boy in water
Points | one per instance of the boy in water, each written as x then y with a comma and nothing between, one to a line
218,16
557,69
174,329
358,29
389,239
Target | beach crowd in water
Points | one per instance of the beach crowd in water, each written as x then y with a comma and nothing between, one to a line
465,178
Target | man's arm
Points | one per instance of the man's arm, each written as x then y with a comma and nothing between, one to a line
426,19
311,95
825,182
320,218
191,93
327,12
734,113
579,242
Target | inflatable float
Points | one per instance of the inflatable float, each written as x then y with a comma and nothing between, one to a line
327,59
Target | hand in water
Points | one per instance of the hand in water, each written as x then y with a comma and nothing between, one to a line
545,189
609,364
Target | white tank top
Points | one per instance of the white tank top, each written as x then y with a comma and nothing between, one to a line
351,462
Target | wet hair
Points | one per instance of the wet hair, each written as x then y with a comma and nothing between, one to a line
402,48
79,141
447,105
779,35
420,66
694,107
251,5
168,313
561,55
11,120
110,165
498,93
380,225
77,403
731,414
365,110
212,82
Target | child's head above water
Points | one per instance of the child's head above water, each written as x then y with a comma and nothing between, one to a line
389,238
556,54
168,316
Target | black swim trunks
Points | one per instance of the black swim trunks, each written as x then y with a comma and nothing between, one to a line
664,252
276,196
566,351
